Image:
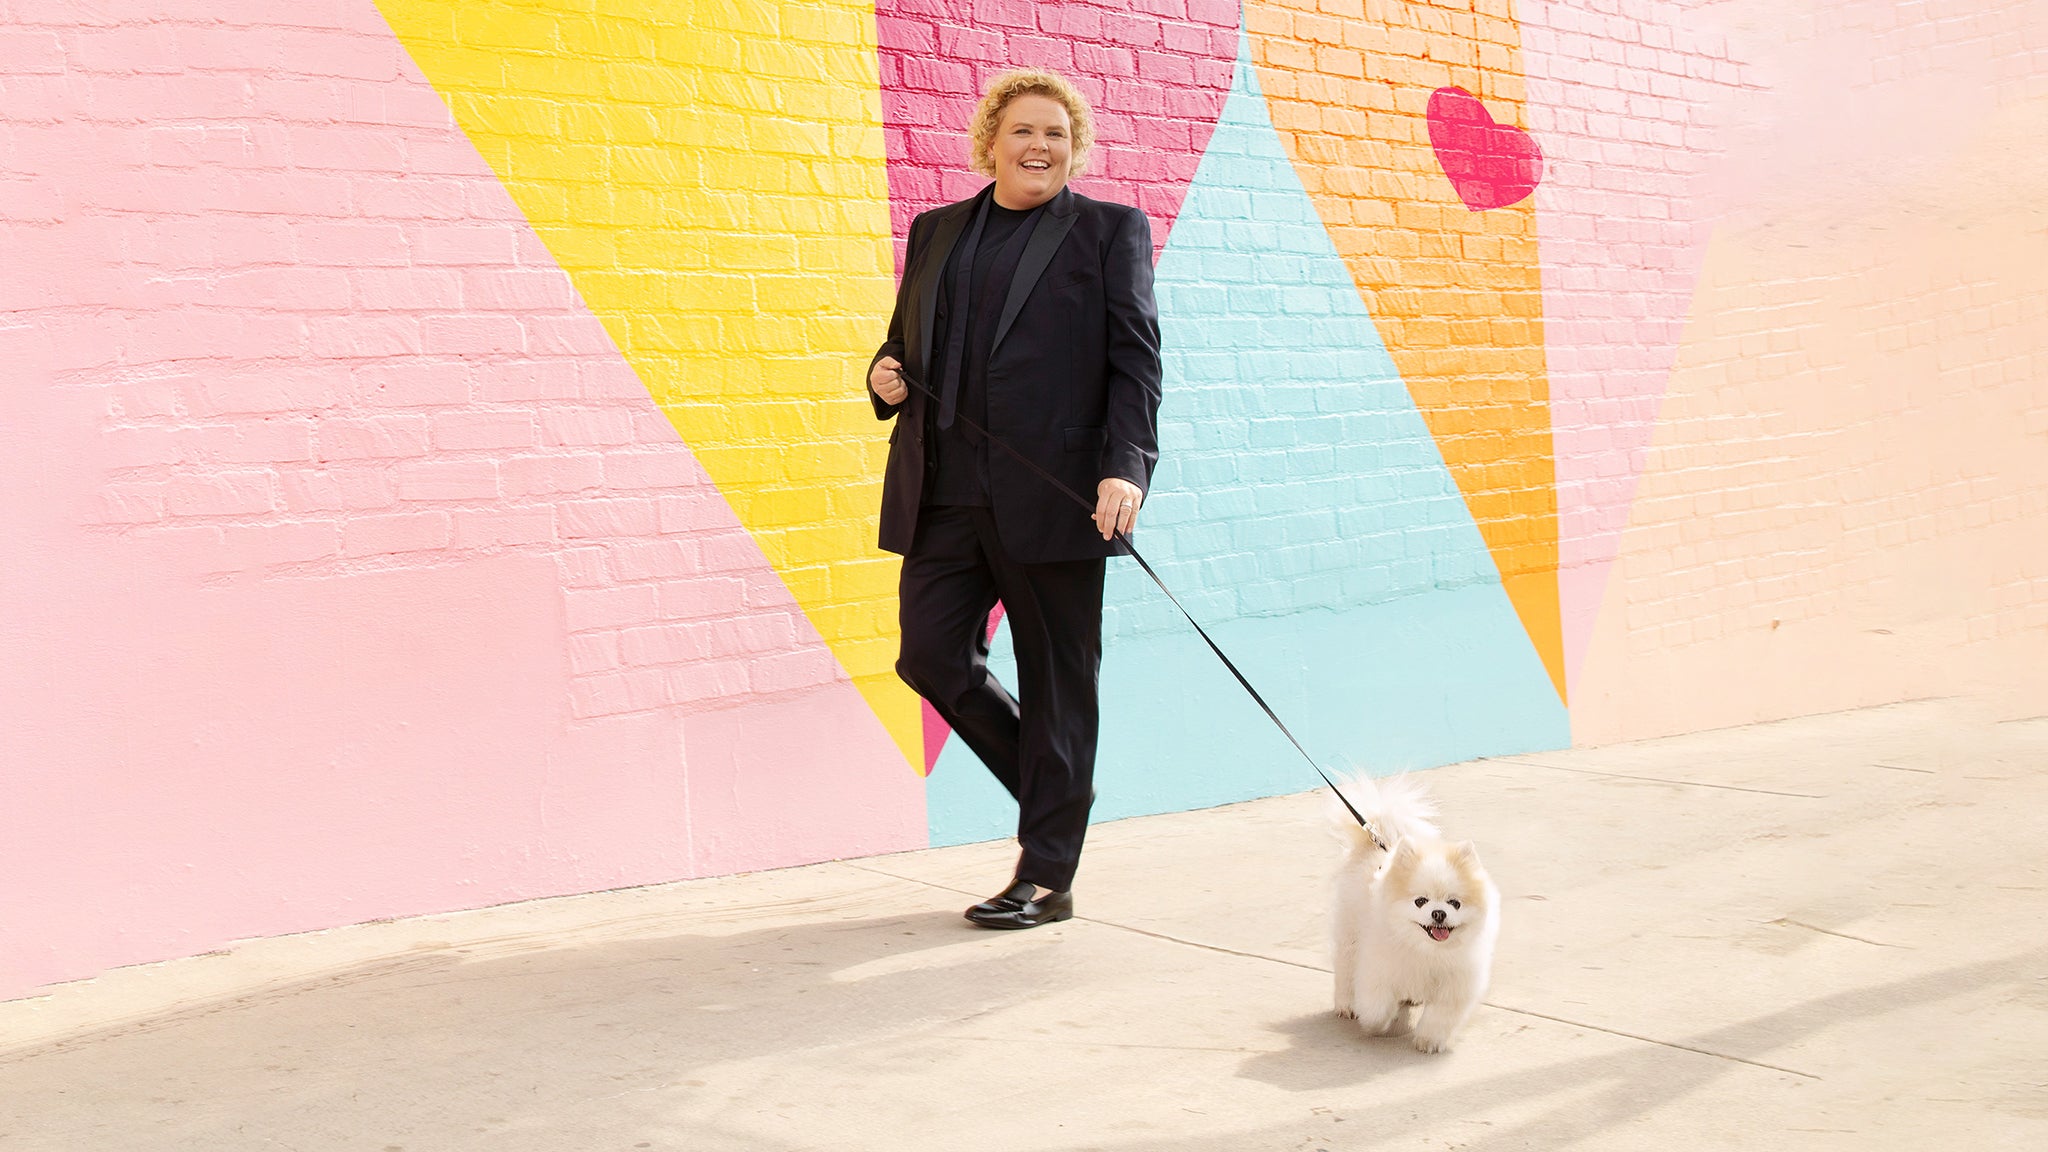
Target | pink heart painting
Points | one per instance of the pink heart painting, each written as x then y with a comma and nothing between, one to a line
1490,165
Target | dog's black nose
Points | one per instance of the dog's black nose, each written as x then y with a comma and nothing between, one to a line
1437,915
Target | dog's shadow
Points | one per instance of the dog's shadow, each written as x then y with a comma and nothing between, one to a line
1326,1051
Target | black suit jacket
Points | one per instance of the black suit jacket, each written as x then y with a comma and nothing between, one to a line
1073,375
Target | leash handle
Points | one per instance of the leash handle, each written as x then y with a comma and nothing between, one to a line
1132,549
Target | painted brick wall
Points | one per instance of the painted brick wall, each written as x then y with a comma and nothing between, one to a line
365,576
436,470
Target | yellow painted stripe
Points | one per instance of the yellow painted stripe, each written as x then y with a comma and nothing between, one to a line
1457,295
711,176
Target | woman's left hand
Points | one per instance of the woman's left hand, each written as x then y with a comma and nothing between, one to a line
1116,506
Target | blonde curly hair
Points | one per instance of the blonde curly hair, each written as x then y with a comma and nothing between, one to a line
988,116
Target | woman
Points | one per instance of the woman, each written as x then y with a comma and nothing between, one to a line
1025,310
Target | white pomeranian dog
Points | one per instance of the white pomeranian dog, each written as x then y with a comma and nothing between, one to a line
1414,921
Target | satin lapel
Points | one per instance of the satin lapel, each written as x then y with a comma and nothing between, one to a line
1045,240
933,264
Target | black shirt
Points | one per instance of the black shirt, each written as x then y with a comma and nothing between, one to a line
959,460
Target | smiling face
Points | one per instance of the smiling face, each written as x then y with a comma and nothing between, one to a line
1032,151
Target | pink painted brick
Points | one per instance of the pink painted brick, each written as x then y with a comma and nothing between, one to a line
517,289
652,427
550,475
401,532
411,384
936,75
502,528
567,336
405,289
373,437
528,380
412,198
730,552
654,559
790,671
665,644
199,146
702,597
720,680
138,49
612,379
765,589
228,49
447,155
957,43
447,480
764,631
296,289
245,547
26,52
280,440
359,57
591,652
363,337
671,468
143,399
465,243
692,511
265,389
141,447
1042,52
335,489
592,426
32,202
913,36
352,245
601,695
196,547
457,431
1072,21
221,494
590,608
582,568
131,503
609,518
115,96
1006,13
170,334
470,335
346,148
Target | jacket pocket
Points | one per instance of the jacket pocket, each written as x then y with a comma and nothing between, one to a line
1086,439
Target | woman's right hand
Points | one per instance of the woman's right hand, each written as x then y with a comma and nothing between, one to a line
886,378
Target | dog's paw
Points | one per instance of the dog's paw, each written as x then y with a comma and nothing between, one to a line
1432,1044
1346,1013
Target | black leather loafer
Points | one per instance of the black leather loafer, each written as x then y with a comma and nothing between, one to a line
1009,899
1050,908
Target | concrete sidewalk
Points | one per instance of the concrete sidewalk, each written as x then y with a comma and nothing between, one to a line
1828,933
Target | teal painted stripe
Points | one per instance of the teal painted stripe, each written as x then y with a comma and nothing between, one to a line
1303,513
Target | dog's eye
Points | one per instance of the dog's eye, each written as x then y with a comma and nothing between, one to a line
1455,904
1421,900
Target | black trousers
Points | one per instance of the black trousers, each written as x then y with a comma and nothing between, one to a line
1040,745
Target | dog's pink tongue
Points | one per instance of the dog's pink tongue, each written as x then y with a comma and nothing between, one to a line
1439,933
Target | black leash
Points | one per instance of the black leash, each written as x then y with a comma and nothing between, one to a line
1089,507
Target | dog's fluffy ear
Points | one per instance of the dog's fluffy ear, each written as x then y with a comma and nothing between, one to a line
1465,853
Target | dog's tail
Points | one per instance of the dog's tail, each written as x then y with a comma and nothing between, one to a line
1398,807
